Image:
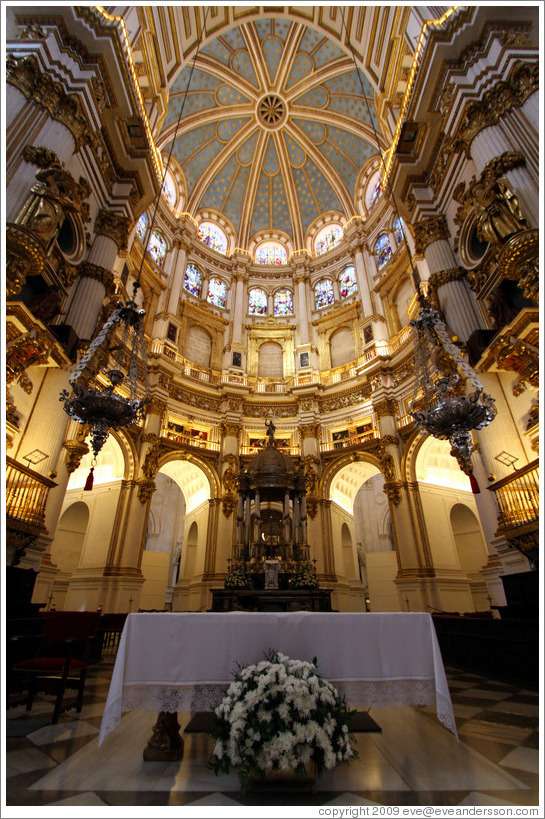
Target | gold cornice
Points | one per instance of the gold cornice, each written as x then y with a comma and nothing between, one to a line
40,88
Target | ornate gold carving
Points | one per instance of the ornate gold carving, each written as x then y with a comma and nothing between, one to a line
146,488
430,230
195,399
229,477
515,355
100,274
306,404
346,399
39,87
491,173
392,490
230,428
114,226
40,156
310,431
496,102
29,351
442,277
229,504
389,439
75,450
263,410
388,406
519,261
156,406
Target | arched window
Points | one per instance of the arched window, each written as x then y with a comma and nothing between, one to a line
383,251
283,303
169,189
257,302
327,238
213,236
347,282
377,190
323,293
217,293
157,248
399,230
193,280
271,253
142,227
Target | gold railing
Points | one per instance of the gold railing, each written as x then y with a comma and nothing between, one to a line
26,493
518,497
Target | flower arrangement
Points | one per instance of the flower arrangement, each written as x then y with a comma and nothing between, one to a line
237,578
304,577
280,715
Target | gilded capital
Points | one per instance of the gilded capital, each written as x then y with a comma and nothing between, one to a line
310,431
42,89
428,231
230,428
437,280
522,82
388,406
88,270
156,406
146,488
114,226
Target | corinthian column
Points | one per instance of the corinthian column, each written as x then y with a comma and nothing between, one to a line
95,276
446,279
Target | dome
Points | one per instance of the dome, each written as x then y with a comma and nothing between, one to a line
274,131
271,468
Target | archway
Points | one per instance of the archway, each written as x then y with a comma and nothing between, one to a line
174,551
68,543
360,511
67,547
468,538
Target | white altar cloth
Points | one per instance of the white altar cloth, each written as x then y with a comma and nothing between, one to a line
185,661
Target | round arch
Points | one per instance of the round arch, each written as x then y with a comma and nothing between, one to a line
70,535
214,484
362,466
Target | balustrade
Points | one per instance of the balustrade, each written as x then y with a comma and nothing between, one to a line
26,493
518,497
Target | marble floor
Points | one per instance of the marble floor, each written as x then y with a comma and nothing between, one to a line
414,761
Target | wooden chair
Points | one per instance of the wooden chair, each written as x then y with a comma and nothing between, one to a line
61,661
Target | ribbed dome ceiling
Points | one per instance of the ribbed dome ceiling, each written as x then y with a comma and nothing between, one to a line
274,130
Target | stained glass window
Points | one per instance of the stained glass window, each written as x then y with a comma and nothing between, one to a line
157,248
142,227
327,238
169,189
213,236
217,293
283,303
257,302
347,282
192,280
377,190
271,253
324,293
383,251
398,230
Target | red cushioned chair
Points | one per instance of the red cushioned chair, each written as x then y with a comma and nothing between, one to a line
61,662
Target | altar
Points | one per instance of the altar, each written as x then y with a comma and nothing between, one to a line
185,661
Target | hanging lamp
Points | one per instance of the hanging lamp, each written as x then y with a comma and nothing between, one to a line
441,406
115,352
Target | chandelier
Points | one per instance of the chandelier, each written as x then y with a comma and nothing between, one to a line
102,408
440,406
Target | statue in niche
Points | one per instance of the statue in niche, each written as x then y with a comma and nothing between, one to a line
499,213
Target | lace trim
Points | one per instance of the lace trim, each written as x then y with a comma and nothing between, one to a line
206,697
